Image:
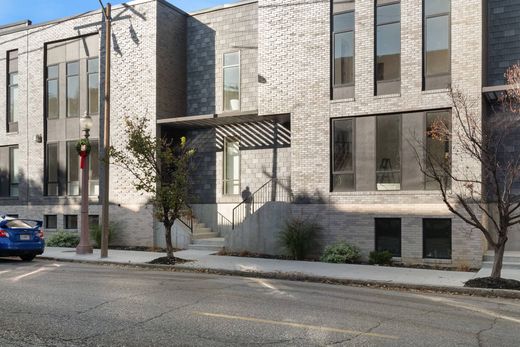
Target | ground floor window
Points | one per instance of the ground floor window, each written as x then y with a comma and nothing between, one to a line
9,171
343,155
231,167
437,238
93,219
388,235
71,221
51,221
388,152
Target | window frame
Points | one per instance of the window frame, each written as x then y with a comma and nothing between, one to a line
9,91
67,75
14,174
224,67
70,147
376,248
94,144
425,18
424,239
66,225
333,55
376,25
46,221
47,80
225,180
378,117
88,74
332,151
426,148
47,181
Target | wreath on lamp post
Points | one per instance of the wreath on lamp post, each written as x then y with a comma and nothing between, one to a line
83,148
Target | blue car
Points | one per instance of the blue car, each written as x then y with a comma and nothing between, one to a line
21,237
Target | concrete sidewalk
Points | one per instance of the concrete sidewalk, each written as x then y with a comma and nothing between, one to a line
204,261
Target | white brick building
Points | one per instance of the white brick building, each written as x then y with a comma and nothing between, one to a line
321,95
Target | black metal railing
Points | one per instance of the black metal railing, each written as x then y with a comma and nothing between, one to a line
223,224
186,218
274,190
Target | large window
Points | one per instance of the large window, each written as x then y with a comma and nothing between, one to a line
343,38
93,85
53,104
388,235
388,152
388,47
94,169
52,169
12,91
231,167
71,221
9,171
438,150
343,155
436,35
232,81
437,238
72,169
51,221
73,89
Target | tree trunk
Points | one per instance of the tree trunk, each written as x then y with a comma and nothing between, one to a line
499,257
168,234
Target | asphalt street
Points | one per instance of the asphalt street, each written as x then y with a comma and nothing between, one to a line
46,303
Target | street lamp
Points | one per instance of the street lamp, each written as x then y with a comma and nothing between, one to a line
85,123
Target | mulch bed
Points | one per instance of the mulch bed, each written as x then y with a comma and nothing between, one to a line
168,261
493,283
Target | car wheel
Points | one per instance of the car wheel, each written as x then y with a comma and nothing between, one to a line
28,257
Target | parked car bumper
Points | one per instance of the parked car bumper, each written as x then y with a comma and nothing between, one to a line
9,249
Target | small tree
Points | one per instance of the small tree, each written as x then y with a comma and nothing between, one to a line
161,168
484,198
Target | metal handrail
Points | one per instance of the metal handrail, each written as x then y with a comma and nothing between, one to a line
267,192
223,222
187,218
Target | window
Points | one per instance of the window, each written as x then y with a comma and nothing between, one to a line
53,104
343,155
52,169
388,235
388,47
343,41
72,169
437,238
439,150
231,167
93,85
51,221
12,91
93,219
388,152
436,33
71,221
14,171
232,81
73,89
94,169
9,171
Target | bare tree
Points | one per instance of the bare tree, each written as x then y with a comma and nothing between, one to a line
480,192
161,168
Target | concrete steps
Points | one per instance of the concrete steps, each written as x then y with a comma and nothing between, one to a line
210,244
511,260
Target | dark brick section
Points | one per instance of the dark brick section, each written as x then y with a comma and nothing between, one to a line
503,38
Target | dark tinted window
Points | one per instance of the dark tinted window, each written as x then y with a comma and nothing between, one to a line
388,235
437,238
51,221
343,155
438,150
72,169
52,169
53,107
388,152
71,221
93,219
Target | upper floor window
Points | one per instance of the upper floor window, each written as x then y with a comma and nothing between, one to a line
436,33
12,91
93,85
388,47
232,81
343,48
9,171
53,104
73,89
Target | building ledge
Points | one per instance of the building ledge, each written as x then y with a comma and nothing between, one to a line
215,120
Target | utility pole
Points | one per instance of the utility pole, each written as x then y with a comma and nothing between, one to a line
106,132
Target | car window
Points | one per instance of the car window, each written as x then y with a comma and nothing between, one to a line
17,223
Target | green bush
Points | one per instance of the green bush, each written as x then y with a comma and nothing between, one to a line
63,238
96,232
298,237
380,258
341,252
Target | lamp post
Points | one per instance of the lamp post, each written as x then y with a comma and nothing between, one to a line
84,246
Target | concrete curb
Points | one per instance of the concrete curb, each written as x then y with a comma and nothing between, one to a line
494,293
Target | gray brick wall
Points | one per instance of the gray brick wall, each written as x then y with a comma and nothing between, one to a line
210,35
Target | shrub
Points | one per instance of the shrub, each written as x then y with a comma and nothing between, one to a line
298,237
380,258
96,232
341,252
63,238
